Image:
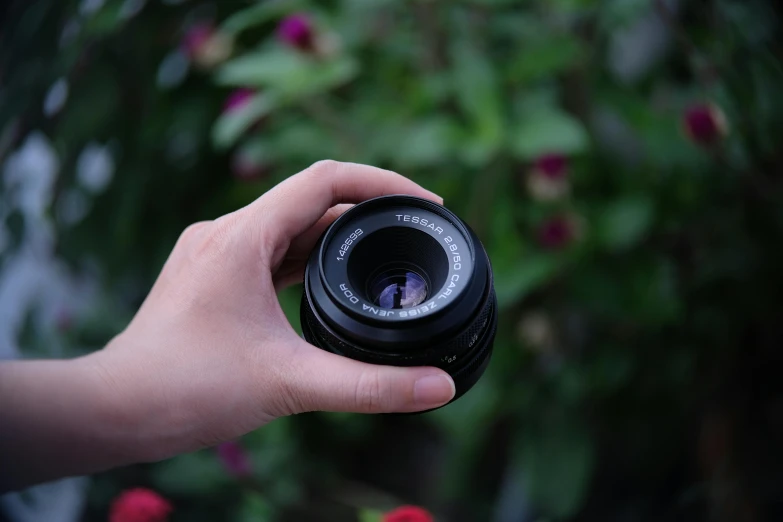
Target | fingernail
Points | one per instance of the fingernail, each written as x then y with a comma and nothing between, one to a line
433,390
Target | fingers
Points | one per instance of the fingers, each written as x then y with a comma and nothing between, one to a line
298,203
322,381
292,269
302,245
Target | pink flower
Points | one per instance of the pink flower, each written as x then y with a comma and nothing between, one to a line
235,459
297,31
408,514
197,38
139,505
554,166
548,179
238,99
705,124
206,46
558,232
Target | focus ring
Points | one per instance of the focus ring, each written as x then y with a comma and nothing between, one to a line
477,331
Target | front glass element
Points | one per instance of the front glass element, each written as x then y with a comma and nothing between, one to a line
398,288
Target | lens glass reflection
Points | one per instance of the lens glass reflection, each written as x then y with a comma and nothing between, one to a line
398,288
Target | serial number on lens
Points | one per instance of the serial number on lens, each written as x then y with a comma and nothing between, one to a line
348,242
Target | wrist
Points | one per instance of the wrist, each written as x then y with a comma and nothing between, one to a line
142,411
133,414
58,420
118,420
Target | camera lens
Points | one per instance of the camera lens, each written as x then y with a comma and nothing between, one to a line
398,288
402,281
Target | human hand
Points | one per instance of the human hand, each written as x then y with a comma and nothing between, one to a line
210,354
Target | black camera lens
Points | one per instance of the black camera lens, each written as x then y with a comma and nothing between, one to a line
402,281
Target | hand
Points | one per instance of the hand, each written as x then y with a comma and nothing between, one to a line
210,355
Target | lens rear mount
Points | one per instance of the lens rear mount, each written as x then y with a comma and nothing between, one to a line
402,281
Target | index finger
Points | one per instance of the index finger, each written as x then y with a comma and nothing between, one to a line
297,203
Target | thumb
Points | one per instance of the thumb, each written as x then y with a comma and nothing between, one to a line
323,381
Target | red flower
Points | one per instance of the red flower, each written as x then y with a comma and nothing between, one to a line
554,166
408,514
235,459
705,124
139,505
297,31
557,232
238,99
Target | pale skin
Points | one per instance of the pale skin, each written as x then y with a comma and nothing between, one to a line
210,355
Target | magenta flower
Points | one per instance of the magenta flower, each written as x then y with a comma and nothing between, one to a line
297,31
238,99
705,124
197,38
554,166
235,459
557,232
206,46
548,179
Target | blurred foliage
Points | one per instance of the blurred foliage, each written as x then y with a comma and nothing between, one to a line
635,371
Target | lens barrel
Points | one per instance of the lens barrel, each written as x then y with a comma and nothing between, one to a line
402,281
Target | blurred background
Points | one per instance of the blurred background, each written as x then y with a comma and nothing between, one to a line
620,159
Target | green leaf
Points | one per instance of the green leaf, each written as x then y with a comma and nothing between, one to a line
258,14
558,465
426,143
623,223
477,91
255,508
231,125
659,132
546,57
105,20
525,277
304,142
368,515
190,474
291,74
548,129
616,14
